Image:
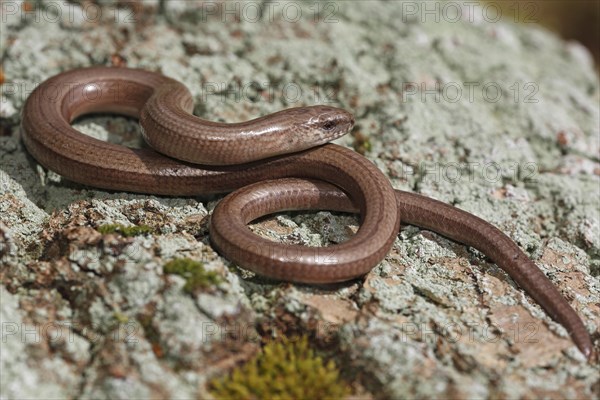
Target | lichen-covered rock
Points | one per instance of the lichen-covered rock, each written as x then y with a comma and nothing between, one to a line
498,119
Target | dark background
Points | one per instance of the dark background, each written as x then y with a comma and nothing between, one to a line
573,20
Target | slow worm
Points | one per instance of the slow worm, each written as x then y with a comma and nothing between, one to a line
288,144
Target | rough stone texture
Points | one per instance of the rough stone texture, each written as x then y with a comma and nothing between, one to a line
91,316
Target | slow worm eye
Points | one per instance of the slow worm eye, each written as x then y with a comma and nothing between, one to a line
329,125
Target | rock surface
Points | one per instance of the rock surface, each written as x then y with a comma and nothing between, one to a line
498,119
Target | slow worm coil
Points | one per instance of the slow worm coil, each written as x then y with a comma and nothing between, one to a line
261,146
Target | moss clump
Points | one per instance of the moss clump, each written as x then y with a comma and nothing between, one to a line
194,273
127,231
283,370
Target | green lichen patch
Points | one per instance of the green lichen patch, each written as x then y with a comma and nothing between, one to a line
127,231
120,317
196,277
283,370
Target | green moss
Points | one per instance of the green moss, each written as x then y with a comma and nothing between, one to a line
283,370
123,230
194,273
